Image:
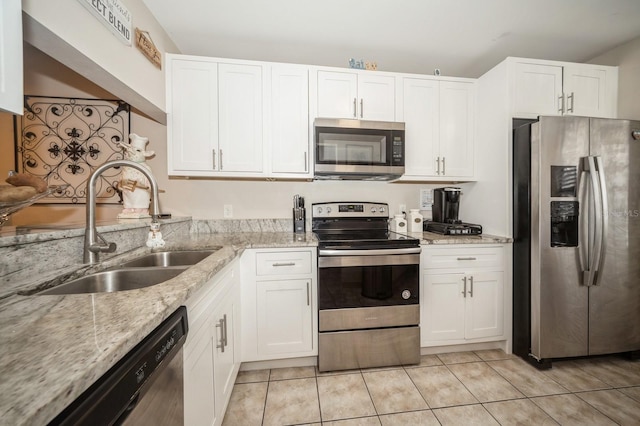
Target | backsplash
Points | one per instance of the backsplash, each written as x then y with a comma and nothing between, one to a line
219,226
30,259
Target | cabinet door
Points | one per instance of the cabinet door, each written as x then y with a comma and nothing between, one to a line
376,97
537,90
421,117
337,94
193,115
290,120
224,358
11,75
485,305
240,118
284,314
585,89
199,393
443,307
457,105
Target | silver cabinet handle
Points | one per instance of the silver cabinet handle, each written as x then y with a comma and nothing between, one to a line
561,104
466,258
471,286
570,108
438,165
275,265
221,325
308,300
361,107
464,290
355,107
444,172
220,158
214,159
306,167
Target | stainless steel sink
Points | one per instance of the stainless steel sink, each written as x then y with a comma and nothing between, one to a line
170,258
116,280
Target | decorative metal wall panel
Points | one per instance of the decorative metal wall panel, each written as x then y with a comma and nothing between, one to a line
63,140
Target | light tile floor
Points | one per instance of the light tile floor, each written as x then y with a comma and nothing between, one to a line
465,388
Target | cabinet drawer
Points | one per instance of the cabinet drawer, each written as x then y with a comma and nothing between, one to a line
463,257
283,263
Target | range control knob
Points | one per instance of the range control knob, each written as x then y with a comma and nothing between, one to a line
319,209
373,209
406,294
328,209
381,209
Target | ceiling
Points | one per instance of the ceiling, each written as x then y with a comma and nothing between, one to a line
460,37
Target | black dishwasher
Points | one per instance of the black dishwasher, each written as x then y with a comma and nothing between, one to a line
144,387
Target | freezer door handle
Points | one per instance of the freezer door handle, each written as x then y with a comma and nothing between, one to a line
602,219
583,226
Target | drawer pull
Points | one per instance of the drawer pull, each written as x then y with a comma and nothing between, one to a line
275,265
466,258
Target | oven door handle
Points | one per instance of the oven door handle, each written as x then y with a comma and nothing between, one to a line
372,252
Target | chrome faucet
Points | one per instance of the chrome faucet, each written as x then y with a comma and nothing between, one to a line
93,241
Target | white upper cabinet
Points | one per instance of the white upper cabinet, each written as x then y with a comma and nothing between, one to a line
290,153
11,85
457,103
192,126
357,95
538,89
215,125
439,129
240,117
560,88
422,126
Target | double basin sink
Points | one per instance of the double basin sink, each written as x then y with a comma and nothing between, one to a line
143,271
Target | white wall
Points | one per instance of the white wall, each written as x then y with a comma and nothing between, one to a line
67,31
627,57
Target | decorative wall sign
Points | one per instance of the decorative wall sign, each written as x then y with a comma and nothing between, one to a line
148,48
63,140
113,15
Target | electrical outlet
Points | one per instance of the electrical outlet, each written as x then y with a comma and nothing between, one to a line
228,210
403,208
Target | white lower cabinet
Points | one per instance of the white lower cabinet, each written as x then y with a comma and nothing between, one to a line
211,352
462,294
279,304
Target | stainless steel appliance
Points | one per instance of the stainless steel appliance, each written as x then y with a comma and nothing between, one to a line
576,193
358,149
144,387
445,208
368,285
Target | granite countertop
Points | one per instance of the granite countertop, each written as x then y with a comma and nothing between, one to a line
436,239
54,347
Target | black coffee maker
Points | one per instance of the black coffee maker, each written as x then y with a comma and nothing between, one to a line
444,210
446,204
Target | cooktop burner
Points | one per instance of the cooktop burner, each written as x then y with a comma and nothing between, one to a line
360,225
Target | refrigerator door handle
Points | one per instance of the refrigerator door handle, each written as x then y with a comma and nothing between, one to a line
602,207
583,225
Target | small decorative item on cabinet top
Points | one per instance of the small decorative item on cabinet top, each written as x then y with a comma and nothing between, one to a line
148,48
362,65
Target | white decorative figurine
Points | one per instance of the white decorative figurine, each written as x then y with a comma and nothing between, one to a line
136,194
154,239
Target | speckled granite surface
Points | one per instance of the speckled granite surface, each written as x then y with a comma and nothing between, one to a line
431,238
54,347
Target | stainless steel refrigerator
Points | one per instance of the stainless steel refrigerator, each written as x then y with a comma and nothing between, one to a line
576,252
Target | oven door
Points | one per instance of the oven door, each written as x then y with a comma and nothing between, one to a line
387,285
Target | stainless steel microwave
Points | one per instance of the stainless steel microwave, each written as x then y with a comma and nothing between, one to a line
358,149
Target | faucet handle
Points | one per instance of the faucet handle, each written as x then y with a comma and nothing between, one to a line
102,247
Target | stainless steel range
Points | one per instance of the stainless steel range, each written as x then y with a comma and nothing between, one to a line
368,285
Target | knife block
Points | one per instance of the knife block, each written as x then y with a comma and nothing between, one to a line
299,221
